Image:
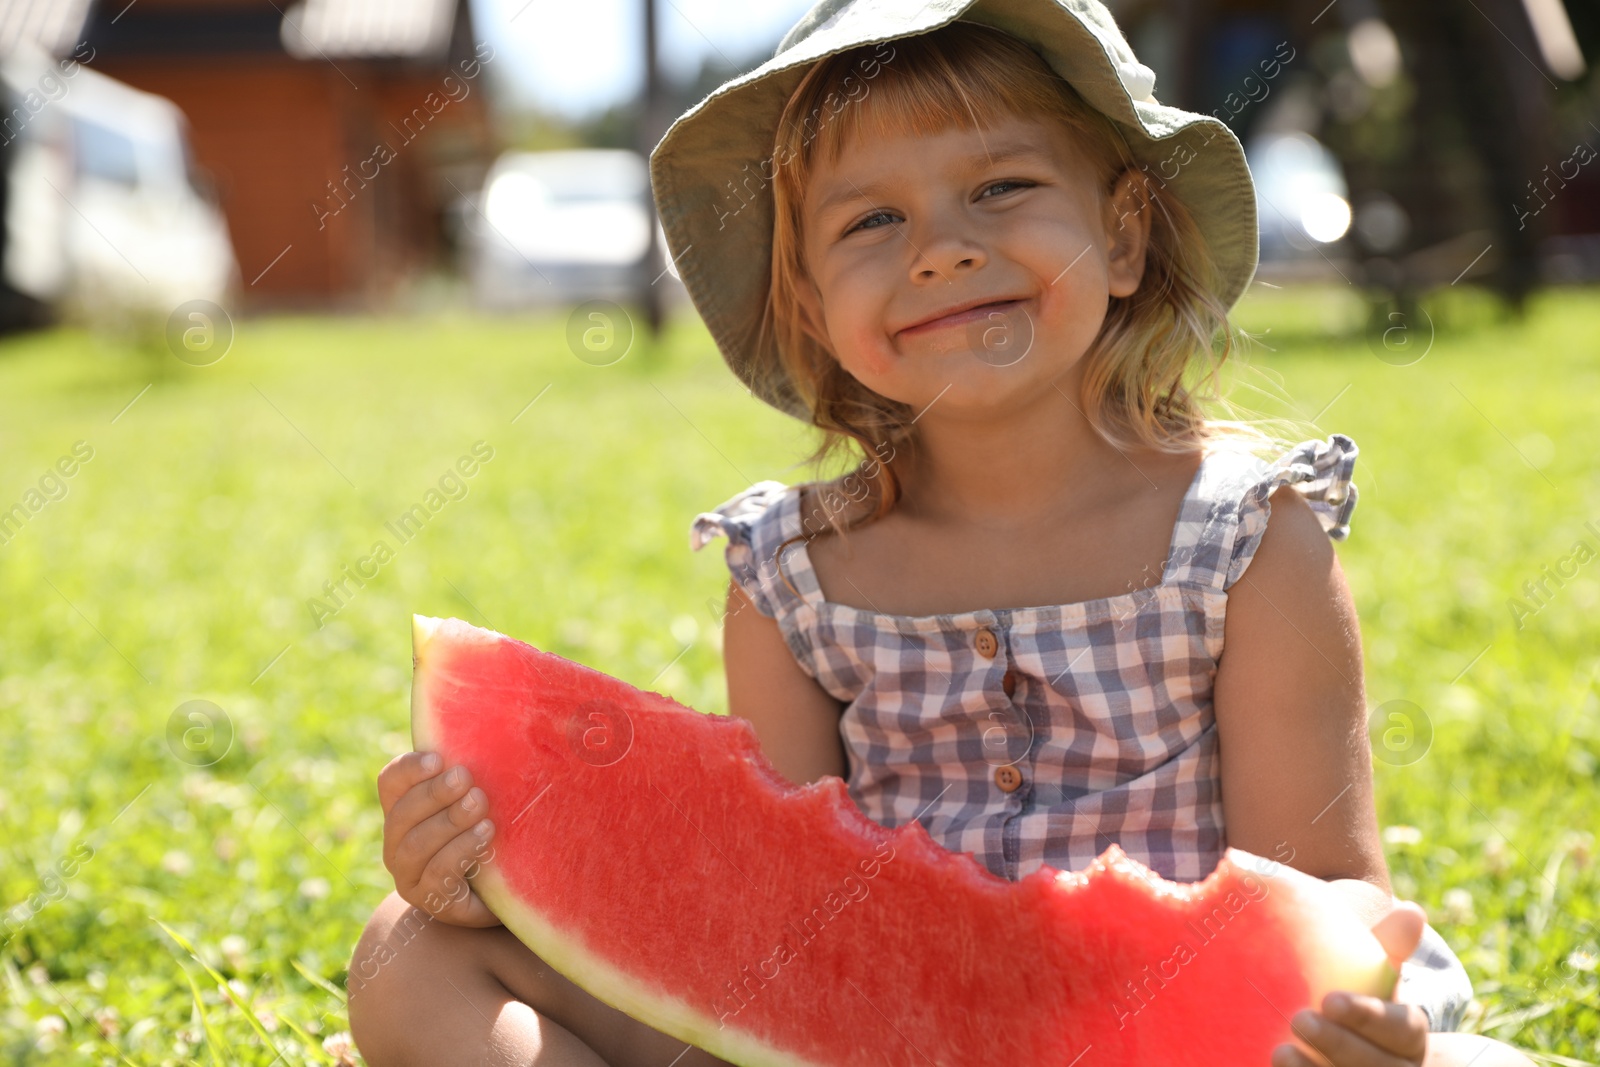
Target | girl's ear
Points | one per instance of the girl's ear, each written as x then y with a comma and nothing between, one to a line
1127,220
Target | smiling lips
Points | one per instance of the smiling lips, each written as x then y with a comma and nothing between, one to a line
960,315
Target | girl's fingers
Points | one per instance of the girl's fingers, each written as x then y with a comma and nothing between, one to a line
1401,1029
424,800
1400,931
1344,1046
475,913
1287,1055
413,851
404,771
429,843
443,887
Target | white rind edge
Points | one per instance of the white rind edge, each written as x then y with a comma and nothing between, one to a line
1344,951
423,627
612,986
422,630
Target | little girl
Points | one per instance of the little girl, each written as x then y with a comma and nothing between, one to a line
1047,612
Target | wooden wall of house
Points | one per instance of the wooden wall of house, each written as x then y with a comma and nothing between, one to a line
266,132
331,194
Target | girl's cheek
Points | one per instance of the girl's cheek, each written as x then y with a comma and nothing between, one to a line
876,360
855,326
866,352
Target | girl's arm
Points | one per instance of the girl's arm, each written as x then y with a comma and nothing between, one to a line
1296,769
796,720
1291,709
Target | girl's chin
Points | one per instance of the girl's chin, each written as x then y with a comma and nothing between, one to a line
916,372
968,386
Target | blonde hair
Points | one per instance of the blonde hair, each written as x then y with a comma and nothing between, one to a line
1142,385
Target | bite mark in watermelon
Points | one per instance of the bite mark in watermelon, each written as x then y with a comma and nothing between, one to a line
653,856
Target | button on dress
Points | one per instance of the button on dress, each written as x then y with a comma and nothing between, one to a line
1040,735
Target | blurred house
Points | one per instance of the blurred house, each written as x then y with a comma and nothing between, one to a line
333,132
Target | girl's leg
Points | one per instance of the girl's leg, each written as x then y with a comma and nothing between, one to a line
1459,1050
426,993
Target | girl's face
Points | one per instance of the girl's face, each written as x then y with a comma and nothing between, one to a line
903,230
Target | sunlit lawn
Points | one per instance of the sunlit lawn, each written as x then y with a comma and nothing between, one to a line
186,559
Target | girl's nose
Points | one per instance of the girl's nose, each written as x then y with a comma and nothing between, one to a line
945,249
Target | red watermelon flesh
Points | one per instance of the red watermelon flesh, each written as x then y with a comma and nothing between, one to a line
652,855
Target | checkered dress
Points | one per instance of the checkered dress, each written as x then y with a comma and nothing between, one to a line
1040,735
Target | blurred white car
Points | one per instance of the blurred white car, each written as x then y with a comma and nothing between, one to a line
104,218
560,227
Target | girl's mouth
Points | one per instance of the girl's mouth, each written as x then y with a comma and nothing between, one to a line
959,318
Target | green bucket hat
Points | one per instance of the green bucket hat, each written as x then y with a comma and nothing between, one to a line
716,209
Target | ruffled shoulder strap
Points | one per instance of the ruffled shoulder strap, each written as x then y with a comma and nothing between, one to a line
755,521
1319,470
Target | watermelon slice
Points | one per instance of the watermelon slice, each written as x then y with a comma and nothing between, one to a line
652,855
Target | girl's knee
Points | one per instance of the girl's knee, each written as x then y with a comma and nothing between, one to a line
401,953
405,962
379,955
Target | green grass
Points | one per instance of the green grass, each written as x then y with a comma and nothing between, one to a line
179,564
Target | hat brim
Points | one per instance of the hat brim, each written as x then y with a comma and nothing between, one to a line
716,206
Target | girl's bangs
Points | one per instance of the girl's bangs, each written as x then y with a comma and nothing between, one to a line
924,105
930,85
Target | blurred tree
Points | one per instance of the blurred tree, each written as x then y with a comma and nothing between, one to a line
652,124
1445,117
531,130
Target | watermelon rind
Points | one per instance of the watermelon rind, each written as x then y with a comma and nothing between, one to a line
604,982
1339,951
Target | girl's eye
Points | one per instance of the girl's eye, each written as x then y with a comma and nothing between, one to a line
1008,181
862,224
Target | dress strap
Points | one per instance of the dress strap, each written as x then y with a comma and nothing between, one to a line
1200,536
1321,472
762,525
1224,515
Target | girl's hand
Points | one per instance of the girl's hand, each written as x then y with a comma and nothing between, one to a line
1353,1030
429,839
